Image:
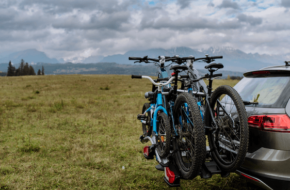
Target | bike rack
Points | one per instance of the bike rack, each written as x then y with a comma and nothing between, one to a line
172,176
152,150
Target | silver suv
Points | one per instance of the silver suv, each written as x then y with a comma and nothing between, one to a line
266,94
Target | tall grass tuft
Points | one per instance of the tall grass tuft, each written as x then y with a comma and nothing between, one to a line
105,88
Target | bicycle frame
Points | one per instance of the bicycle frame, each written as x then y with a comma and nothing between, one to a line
155,108
162,73
194,74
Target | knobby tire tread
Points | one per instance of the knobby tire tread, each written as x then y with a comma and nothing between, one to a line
225,89
168,135
199,137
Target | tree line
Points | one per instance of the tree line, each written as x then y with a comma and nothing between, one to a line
23,69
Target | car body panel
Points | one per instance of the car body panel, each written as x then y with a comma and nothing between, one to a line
287,109
269,162
268,157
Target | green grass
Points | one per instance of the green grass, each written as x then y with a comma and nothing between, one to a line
77,132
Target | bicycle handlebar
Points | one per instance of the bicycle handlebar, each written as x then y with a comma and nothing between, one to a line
217,57
208,76
217,75
135,58
208,59
152,81
178,60
136,77
161,79
143,59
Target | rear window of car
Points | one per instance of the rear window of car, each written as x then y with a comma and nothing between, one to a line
267,91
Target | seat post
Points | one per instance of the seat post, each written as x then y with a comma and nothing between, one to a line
209,87
176,80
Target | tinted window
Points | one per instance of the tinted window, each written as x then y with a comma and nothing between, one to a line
267,91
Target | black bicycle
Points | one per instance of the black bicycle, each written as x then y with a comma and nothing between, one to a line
223,110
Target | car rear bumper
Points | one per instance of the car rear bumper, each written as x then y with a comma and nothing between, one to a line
265,181
268,168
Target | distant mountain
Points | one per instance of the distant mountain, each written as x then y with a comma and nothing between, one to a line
30,56
233,59
108,68
93,59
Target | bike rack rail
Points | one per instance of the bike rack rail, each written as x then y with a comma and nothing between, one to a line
172,176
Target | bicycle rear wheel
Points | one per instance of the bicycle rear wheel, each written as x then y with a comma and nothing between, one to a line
190,142
146,128
229,142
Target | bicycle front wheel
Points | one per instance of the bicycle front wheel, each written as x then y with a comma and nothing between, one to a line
190,142
164,135
228,139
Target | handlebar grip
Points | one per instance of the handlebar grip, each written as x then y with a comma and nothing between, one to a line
135,58
216,57
184,76
217,75
136,76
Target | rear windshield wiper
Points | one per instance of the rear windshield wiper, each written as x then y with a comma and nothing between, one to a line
249,103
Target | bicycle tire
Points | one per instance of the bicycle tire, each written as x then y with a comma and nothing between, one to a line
147,129
220,143
163,125
189,166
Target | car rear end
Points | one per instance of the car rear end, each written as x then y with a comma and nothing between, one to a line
267,93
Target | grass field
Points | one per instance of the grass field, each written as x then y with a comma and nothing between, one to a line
77,132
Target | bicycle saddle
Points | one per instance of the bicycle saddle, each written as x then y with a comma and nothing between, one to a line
215,66
175,67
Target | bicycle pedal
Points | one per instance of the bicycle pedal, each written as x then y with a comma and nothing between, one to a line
141,117
159,168
141,138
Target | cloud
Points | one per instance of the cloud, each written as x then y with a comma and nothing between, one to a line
285,3
229,4
210,4
249,19
184,3
70,29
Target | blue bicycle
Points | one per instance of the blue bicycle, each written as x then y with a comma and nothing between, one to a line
156,115
187,134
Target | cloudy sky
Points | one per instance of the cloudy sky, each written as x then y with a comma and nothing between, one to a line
76,29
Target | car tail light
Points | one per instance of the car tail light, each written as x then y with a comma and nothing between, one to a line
279,123
261,72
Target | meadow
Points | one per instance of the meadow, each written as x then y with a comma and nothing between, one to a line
80,132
